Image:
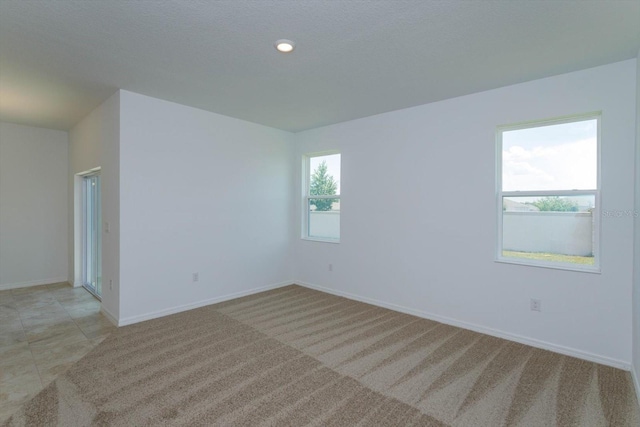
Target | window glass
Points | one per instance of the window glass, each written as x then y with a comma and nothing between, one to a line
322,198
548,194
555,157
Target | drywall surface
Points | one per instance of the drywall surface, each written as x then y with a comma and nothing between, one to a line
94,143
33,205
200,193
418,216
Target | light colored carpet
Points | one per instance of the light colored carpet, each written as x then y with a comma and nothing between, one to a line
294,357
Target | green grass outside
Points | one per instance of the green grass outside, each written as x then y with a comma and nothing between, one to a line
543,256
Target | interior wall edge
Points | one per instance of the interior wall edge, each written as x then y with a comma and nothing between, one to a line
109,315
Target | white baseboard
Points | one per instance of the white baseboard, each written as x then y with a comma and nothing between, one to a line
173,310
567,351
32,283
636,382
113,319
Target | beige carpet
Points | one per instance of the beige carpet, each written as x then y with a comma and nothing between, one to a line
294,357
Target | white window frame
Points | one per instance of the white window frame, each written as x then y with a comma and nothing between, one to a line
500,195
306,190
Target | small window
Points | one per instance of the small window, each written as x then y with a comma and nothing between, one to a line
322,197
548,193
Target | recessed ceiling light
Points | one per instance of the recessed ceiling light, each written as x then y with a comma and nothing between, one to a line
285,46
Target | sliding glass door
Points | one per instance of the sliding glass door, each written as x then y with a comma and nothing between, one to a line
91,256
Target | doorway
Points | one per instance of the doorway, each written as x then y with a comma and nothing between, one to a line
91,235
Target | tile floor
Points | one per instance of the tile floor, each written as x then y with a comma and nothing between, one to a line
43,331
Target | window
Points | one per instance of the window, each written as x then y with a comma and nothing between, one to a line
548,193
322,197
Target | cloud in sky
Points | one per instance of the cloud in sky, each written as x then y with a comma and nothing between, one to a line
557,157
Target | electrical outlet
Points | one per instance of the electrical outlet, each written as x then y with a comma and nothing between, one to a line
196,277
330,267
536,305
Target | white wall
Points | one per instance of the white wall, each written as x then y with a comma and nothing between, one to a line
33,205
435,162
94,142
204,193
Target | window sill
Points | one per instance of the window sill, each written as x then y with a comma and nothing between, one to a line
554,266
319,239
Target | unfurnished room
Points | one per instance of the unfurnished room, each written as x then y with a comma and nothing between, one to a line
327,213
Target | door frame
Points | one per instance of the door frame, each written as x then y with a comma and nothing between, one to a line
78,227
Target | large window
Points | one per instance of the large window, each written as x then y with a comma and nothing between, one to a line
322,197
548,193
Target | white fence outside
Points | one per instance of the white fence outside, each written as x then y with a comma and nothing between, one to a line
325,224
568,233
